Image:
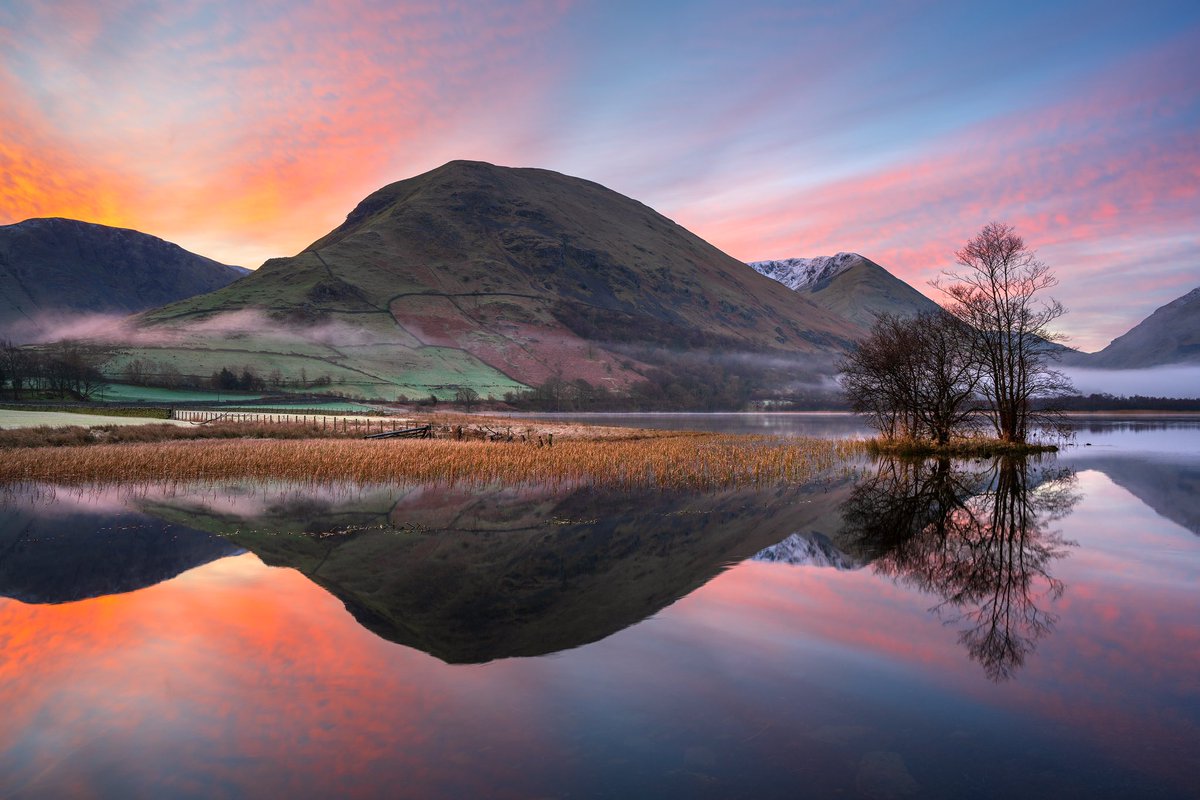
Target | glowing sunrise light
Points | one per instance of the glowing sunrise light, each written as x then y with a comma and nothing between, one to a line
245,132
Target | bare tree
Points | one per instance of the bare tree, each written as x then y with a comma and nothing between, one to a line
876,377
998,296
914,377
17,366
467,397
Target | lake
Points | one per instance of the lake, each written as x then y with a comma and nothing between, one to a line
894,629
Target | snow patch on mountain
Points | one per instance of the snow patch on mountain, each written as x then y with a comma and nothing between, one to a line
811,550
801,274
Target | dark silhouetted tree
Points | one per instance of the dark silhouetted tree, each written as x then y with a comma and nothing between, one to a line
466,397
914,377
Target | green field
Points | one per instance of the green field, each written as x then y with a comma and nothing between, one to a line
101,409
333,407
384,367
124,393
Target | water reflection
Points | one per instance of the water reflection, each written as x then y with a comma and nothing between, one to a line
471,576
238,679
1171,487
60,547
977,537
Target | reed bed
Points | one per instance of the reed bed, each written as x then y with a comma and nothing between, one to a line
675,462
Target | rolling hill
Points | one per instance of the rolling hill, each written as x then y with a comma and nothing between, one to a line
495,278
848,285
52,270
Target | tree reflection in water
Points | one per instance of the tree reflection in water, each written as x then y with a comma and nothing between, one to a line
978,537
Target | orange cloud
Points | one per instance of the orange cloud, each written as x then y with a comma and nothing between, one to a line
251,136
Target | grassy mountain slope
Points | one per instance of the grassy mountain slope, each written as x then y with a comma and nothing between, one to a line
497,278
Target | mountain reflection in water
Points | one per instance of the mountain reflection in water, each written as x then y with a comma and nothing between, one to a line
61,547
698,678
470,576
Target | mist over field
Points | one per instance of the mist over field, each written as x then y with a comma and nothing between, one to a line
117,330
49,326
1175,380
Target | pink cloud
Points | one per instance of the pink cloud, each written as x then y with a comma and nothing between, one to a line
1081,180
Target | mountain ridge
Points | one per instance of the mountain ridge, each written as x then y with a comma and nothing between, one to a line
52,268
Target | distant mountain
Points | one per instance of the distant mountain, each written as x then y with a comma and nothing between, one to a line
52,269
496,278
1170,335
853,287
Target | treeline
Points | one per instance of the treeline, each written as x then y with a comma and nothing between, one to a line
149,372
64,370
68,370
1137,402
689,381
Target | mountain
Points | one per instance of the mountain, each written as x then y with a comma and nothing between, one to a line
1168,336
854,288
496,278
54,269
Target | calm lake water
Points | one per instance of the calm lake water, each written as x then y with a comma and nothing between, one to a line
893,630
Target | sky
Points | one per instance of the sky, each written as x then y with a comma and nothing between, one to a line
244,131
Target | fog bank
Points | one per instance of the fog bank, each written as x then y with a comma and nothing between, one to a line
1172,380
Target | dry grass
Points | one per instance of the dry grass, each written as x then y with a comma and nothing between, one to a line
676,462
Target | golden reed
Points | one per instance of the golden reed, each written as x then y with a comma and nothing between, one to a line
682,462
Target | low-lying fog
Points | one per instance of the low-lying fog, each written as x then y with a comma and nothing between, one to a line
1173,380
